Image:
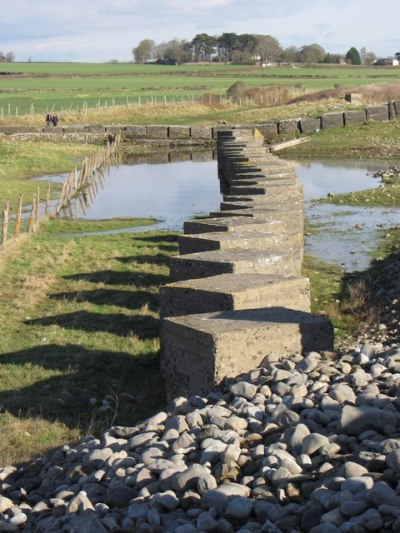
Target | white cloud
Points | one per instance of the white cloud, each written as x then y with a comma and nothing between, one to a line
50,29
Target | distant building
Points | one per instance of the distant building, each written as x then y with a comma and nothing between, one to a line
388,61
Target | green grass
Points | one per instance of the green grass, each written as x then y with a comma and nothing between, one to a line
25,160
374,140
62,85
79,324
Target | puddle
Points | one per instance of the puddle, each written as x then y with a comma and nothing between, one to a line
176,187
346,235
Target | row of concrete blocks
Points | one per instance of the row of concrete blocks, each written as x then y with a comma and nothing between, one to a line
203,134
237,296
340,119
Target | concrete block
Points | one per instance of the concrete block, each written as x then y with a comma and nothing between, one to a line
157,132
199,132
178,132
208,225
250,240
355,116
310,124
199,351
289,126
392,110
291,219
233,292
71,129
241,261
396,104
9,130
268,129
332,120
135,132
270,190
93,127
115,129
377,112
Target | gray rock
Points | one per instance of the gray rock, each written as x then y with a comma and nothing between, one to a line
393,460
188,479
314,442
242,388
356,420
239,508
353,507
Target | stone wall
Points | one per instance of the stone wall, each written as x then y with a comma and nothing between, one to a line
171,136
340,119
237,297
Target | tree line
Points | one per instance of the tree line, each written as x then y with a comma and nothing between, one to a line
241,48
7,58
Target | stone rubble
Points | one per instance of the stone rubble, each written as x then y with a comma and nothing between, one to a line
306,444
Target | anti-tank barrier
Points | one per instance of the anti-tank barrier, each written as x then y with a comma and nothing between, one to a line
237,299
176,135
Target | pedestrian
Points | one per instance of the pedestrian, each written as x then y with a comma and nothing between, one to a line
49,119
55,120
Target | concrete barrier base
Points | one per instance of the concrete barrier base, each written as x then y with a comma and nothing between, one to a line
228,292
199,351
243,261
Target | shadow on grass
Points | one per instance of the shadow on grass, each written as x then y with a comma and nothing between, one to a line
133,385
110,277
169,243
158,259
129,299
143,326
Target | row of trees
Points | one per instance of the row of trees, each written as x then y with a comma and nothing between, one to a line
244,48
7,58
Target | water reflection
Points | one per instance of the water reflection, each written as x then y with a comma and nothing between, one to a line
176,186
146,186
345,235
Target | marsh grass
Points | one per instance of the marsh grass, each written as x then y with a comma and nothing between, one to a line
79,328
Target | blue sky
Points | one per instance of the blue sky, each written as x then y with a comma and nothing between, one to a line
100,30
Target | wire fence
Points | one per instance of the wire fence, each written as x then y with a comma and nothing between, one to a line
83,185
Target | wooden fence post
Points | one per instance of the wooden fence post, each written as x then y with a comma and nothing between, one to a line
18,216
37,209
48,196
6,212
31,224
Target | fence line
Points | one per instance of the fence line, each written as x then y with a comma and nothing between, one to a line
76,187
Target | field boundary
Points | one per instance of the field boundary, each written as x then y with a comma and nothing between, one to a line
174,135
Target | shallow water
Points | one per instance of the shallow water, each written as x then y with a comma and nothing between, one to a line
346,235
173,191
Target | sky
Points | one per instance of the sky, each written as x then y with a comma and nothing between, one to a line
103,30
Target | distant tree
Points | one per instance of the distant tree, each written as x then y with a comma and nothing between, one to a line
244,49
397,55
367,58
144,50
312,53
353,56
291,55
7,58
174,51
113,61
227,43
268,48
333,58
203,46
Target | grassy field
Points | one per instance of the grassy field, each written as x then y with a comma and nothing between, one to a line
62,86
79,315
